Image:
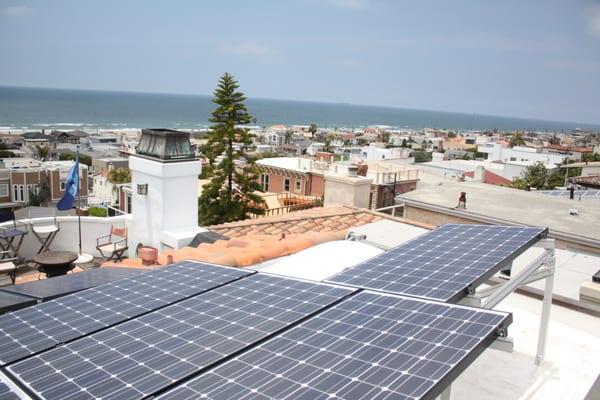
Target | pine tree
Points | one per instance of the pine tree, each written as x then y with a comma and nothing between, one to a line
231,193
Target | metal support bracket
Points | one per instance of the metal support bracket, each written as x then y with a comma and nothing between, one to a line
542,267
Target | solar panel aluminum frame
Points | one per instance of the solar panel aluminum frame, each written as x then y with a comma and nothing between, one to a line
500,266
470,289
47,297
9,389
462,365
353,291
59,342
446,381
15,380
437,389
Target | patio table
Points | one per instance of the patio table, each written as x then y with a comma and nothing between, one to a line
54,263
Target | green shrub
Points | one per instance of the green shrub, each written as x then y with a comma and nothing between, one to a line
97,212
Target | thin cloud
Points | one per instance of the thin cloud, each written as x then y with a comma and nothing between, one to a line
349,64
350,4
16,11
258,51
248,49
594,21
577,66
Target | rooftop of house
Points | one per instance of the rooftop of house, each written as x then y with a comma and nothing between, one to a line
582,164
570,148
291,163
321,219
258,240
589,180
490,178
512,205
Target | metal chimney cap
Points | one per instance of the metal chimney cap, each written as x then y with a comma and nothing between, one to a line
165,145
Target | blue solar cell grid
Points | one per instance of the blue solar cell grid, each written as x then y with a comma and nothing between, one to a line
43,326
444,263
368,347
141,356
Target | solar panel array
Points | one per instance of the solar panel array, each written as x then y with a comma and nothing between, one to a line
141,356
11,301
43,326
370,346
442,264
195,330
58,286
578,193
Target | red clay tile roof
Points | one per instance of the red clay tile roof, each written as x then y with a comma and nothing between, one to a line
319,219
242,251
260,239
490,178
570,148
590,180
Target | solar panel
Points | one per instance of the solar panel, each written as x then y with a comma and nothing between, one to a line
7,392
577,194
12,301
40,327
141,356
444,263
48,289
370,346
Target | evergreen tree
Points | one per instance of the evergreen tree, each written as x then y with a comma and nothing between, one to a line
231,193
313,130
517,140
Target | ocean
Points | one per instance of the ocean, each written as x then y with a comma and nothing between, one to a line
36,109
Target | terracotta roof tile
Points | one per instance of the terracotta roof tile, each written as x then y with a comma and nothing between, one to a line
320,219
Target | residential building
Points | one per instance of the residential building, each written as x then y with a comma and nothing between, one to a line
308,177
16,183
378,152
106,164
589,168
496,152
102,190
291,174
573,153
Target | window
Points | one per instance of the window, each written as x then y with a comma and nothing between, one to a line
286,184
265,182
63,185
4,190
298,185
21,193
15,192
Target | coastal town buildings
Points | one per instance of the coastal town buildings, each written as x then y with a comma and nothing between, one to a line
309,178
308,246
18,183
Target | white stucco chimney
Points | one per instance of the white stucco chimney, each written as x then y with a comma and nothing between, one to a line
479,174
166,216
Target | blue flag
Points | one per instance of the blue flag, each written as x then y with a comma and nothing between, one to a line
71,189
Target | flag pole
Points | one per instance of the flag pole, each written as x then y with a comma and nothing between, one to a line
78,198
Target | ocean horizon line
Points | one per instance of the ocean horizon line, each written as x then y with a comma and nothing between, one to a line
269,111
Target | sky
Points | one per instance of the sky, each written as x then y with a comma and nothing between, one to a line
531,59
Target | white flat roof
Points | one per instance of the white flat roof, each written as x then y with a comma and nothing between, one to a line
321,261
518,206
291,163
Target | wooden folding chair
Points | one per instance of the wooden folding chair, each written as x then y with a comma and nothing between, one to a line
113,245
